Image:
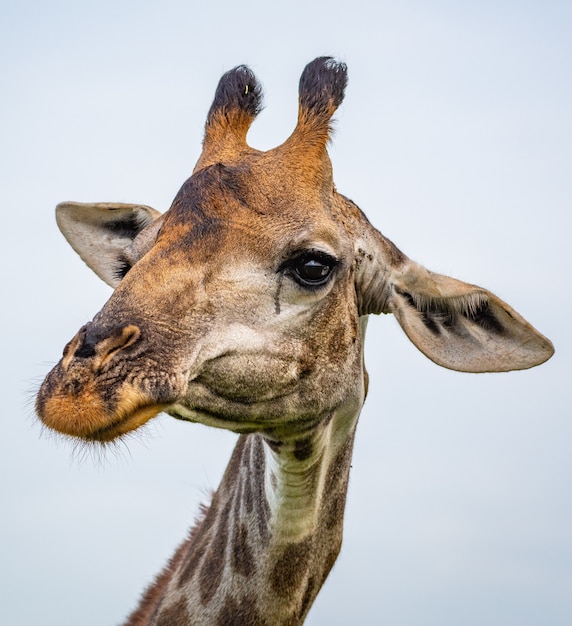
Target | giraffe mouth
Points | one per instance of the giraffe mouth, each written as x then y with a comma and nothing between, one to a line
82,421
125,424
82,411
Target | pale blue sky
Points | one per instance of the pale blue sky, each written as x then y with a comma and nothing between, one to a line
455,138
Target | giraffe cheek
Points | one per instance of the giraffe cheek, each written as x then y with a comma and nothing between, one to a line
249,378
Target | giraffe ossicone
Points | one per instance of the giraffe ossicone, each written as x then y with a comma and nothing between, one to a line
244,307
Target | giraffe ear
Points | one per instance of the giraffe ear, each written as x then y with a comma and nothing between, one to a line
108,237
461,326
455,324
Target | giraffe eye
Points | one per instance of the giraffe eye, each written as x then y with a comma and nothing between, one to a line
313,269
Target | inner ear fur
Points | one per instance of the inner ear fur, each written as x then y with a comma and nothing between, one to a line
102,233
462,326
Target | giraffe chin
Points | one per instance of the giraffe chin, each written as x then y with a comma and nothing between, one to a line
86,416
125,424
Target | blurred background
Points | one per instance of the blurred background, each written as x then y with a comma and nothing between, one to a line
455,139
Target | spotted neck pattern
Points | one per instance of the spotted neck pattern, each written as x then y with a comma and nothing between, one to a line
264,547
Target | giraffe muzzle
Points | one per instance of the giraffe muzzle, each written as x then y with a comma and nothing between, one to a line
81,398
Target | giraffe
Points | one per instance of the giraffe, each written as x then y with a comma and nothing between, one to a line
244,307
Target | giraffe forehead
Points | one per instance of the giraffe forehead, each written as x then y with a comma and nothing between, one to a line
219,210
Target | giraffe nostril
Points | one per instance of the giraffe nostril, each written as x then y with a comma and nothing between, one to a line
122,338
91,341
83,344
128,336
85,351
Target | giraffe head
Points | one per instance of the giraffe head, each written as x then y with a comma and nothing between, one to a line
243,305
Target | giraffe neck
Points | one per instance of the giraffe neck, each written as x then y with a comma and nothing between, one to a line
269,539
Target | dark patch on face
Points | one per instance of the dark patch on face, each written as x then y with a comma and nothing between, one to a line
203,201
243,613
191,207
212,567
485,318
363,254
277,294
292,566
303,449
235,181
242,560
175,615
